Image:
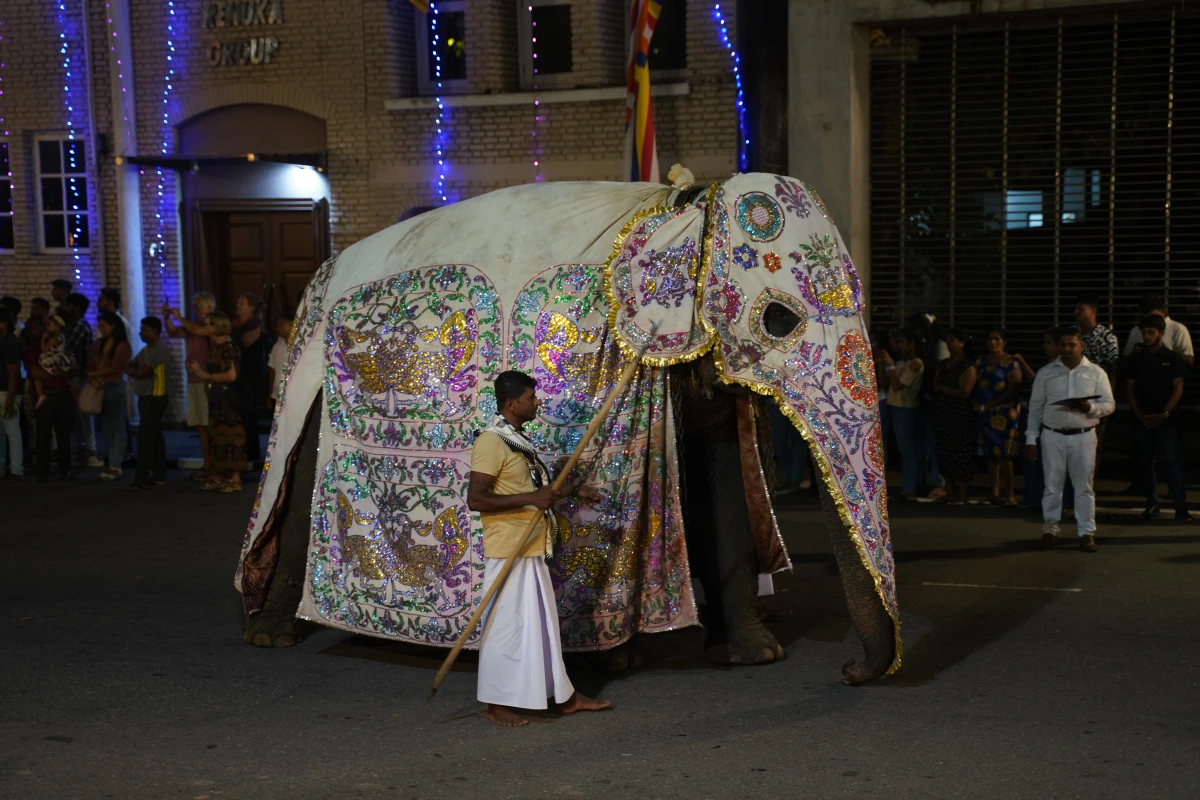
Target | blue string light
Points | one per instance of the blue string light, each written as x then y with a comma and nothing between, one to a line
69,151
743,140
165,146
440,142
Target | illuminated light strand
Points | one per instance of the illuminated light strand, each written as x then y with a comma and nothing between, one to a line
440,142
743,140
537,105
168,82
69,152
112,48
4,130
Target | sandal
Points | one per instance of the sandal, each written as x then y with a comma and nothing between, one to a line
110,475
1011,502
229,487
202,475
212,486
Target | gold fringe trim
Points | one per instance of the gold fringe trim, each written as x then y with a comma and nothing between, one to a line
789,412
610,294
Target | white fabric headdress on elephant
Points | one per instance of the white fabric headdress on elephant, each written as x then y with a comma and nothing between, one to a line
773,243
403,334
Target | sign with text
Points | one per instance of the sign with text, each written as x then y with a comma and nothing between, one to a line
242,51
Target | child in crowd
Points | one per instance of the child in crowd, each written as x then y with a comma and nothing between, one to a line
278,355
53,356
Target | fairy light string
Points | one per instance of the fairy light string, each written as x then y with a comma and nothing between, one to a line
440,140
743,139
69,152
537,109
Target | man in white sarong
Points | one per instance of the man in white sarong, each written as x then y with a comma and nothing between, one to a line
520,654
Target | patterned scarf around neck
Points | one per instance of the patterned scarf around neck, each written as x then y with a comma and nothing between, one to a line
519,443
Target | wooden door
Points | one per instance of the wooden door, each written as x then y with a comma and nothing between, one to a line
271,253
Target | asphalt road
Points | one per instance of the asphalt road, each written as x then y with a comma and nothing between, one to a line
124,676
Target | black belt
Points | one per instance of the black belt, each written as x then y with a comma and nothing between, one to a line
1067,431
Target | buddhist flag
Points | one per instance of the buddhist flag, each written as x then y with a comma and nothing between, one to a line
641,156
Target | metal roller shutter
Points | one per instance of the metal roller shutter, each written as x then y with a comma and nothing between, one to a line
1019,161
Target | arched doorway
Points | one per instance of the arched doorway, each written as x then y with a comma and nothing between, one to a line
257,203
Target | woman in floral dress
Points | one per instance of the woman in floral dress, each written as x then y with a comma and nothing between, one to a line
955,431
227,407
999,377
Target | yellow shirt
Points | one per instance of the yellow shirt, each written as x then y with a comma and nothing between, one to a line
502,531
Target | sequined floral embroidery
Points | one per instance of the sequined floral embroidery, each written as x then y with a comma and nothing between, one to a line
856,369
726,301
759,216
793,197
669,277
410,359
772,262
745,257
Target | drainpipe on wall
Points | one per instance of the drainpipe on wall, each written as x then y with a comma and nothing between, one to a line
98,185
124,145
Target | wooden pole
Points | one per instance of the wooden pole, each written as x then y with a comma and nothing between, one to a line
597,420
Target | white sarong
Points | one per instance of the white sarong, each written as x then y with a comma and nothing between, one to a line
520,655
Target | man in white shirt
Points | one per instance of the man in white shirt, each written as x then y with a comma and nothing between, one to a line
1176,336
1068,434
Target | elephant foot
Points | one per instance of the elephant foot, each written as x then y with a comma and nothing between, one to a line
755,647
264,631
620,658
855,674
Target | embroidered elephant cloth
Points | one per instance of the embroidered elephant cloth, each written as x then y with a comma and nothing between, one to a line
404,332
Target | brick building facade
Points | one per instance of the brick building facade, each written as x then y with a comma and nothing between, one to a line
194,117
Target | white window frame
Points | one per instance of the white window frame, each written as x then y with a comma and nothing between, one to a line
66,212
560,80
5,177
427,84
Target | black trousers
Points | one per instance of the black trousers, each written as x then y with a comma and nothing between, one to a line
151,446
55,418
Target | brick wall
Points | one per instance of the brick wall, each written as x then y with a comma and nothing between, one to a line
34,105
341,65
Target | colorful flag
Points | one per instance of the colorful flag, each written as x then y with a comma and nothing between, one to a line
641,155
422,5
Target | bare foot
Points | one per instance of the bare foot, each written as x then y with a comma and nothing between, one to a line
578,702
505,717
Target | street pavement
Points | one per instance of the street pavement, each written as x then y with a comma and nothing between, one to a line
1026,675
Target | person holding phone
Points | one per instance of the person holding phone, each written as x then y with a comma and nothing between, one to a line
1070,397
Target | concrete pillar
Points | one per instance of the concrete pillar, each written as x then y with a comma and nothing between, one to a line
129,204
829,116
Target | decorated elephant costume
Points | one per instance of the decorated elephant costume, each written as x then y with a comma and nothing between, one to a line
361,522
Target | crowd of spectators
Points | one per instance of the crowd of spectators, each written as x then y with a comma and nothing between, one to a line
60,376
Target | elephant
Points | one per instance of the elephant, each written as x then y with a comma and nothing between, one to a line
360,520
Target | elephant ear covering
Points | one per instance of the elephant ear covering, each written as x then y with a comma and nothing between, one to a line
416,322
772,248
652,278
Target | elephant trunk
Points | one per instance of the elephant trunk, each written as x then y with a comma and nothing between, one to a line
875,628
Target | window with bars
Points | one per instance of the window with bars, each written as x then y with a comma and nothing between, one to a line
6,200
62,195
1019,162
